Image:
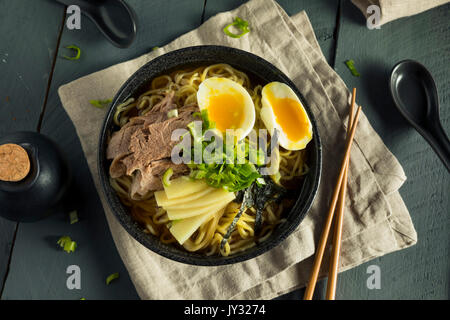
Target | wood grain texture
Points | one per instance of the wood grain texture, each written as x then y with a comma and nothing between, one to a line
27,42
7,232
422,271
21,91
38,268
322,14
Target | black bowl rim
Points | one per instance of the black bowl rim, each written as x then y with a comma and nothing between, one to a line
144,238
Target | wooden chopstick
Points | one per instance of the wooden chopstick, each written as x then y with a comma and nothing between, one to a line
334,262
326,230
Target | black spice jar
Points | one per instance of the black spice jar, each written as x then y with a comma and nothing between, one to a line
41,192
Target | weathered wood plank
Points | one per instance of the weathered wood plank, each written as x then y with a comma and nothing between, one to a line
420,272
7,231
38,268
21,91
322,14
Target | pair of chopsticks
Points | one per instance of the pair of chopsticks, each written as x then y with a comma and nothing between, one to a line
337,198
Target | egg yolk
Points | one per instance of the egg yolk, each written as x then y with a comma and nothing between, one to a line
226,110
290,116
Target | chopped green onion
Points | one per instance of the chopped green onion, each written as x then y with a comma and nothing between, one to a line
196,134
63,240
260,181
197,115
100,103
351,65
276,177
70,247
67,244
172,113
219,169
256,154
166,177
78,53
155,48
112,277
73,217
208,123
240,24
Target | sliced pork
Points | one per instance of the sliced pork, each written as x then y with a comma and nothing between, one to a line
150,177
142,147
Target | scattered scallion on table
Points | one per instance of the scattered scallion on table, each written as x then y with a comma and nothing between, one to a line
112,277
67,244
77,53
73,215
239,24
351,65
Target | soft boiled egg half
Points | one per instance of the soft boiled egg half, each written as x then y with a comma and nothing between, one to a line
229,105
282,110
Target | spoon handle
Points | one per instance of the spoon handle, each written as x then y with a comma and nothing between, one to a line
440,143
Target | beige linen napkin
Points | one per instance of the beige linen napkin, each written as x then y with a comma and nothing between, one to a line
395,9
376,220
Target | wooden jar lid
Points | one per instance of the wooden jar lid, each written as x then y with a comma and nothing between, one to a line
14,162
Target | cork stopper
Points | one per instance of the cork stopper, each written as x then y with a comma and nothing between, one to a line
14,162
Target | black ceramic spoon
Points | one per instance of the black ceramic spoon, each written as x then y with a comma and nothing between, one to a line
115,19
415,95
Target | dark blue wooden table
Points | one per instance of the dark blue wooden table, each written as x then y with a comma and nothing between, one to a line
32,40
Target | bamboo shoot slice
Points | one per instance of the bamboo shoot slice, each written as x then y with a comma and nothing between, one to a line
207,200
176,214
162,200
185,228
183,186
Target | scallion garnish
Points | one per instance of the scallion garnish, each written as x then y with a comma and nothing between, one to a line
221,170
206,122
112,277
100,103
166,177
67,244
351,65
276,177
240,24
77,55
172,113
260,181
73,217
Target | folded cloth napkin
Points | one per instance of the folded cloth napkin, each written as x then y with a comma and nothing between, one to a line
394,9
376,220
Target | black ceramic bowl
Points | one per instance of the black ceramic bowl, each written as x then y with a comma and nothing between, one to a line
257,68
